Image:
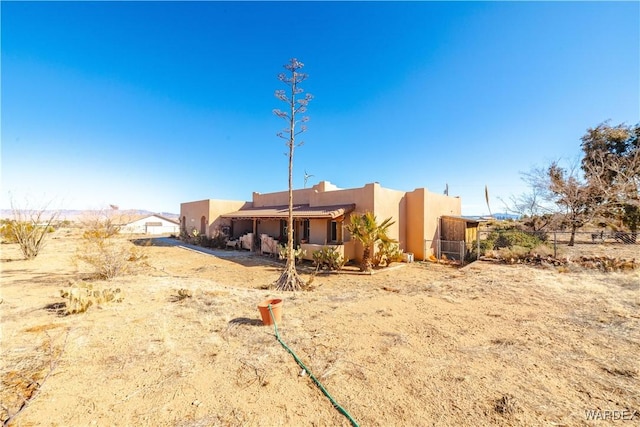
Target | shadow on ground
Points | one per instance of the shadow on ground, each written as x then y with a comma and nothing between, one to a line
245,321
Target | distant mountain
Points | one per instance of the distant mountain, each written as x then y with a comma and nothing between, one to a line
499,216
505,215
76,215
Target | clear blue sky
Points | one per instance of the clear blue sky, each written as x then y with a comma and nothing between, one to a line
150,104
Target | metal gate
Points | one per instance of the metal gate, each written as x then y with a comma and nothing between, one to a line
452,250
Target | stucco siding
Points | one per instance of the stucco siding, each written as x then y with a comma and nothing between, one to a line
270,227
391,204
318,231
219,207
415,222
191,214
241,227
362,197
415,213
281,198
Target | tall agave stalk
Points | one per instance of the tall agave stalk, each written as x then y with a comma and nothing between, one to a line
289,280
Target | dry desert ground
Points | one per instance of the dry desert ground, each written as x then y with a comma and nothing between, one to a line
418,344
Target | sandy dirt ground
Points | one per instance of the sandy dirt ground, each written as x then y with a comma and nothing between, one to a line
418,344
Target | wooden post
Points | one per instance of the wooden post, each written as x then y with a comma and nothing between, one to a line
255,234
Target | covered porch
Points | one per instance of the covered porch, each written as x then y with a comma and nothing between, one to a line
262,229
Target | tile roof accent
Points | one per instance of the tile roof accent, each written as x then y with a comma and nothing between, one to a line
299,211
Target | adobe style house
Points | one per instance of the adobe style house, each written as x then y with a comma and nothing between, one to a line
320,217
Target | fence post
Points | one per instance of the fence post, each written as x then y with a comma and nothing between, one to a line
555,245
478,238
424,252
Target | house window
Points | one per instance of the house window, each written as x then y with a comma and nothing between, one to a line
335,232
153,224
305,230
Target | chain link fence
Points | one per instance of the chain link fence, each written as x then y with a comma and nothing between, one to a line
451,250
584,242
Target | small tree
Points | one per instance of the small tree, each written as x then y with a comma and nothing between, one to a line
365,229
30,227
611,164
289,279
577,197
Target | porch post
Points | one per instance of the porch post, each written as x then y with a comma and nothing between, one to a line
255,235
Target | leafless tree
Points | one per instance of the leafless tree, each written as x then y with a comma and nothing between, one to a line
534,206
577,198
296,105
606,184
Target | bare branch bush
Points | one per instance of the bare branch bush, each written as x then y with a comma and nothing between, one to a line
29,227
534,207
22,382
105,250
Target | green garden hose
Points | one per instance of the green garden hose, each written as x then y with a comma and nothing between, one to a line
313,377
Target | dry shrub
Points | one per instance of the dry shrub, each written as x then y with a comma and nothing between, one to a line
506,405
28,228
607,264
182,294
542,251
23,377
106,251
110,257
82,296
512,254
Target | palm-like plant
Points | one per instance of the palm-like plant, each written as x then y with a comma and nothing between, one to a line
365,229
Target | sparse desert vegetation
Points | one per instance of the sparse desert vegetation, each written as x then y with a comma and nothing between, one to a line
413,344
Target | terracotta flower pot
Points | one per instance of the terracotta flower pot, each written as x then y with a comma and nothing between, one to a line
276,308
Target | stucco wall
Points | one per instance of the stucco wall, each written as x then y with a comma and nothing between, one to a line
219,207
424,209
346,250
270,227
241,227
362,197
391,204
300,196
318,231
415,222
192,212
